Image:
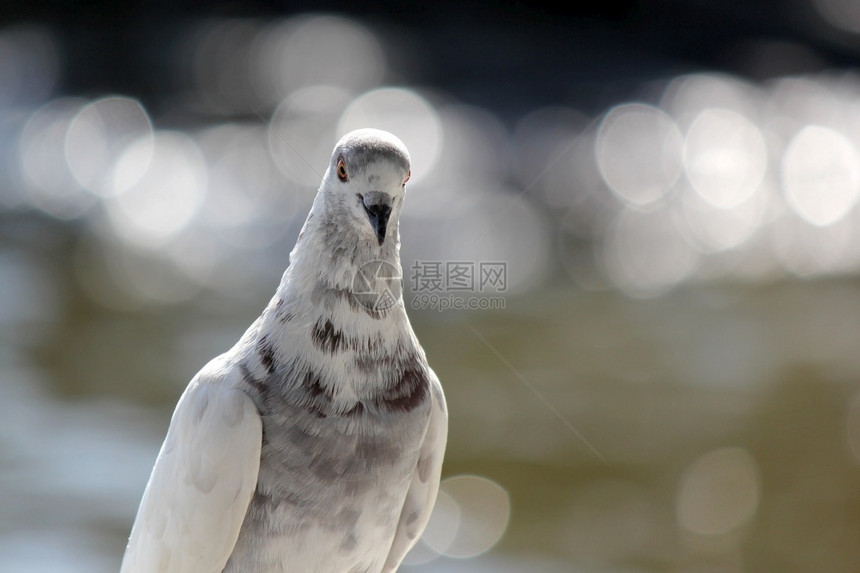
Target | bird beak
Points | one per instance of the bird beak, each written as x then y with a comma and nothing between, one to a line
378,208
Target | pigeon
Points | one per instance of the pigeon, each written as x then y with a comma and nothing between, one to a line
315,444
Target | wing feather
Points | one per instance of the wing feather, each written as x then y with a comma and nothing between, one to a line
201,485
421,496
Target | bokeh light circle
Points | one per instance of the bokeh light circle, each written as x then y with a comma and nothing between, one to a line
484,509
99,134
168,194
821,175
51,187
303,131
645,254
725,157
715,229
638,150
719,492
688,96
245,187
316,49
807,250
407,115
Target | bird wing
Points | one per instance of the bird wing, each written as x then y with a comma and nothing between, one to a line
202,482
421,495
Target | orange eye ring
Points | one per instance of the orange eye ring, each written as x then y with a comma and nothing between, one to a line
408,175
341,169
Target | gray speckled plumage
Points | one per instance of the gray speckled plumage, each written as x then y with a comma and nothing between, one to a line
315,444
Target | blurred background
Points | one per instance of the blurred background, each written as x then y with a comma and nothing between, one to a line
671,381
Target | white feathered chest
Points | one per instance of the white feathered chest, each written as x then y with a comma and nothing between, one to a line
334,470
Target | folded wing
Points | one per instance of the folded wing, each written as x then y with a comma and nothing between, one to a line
201,485
421,496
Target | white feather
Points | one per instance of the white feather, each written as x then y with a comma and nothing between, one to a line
202,482
421,496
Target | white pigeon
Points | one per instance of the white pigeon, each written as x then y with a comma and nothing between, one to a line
315,444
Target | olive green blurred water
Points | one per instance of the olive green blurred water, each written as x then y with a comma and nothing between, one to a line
715,428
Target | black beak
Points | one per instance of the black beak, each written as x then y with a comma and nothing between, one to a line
378,216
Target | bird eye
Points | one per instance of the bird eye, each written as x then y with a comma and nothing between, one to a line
341,169
408,175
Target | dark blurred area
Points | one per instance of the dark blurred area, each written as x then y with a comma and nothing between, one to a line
508,57
666,378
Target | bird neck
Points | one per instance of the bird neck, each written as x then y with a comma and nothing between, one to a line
331,262
330,251
324,320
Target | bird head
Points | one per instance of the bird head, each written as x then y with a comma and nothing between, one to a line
366,181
